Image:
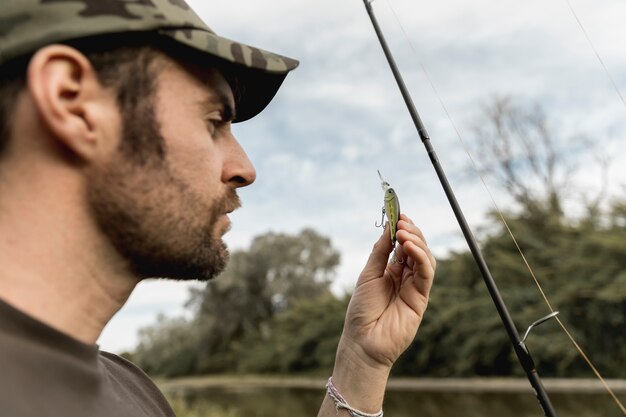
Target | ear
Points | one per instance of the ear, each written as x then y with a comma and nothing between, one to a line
70,99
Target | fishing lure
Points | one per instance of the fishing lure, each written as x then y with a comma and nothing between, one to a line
391,208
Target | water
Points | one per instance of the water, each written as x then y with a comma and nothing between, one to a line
295,402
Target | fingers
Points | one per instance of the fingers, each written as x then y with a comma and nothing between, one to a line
375,266
418,256
423,269
412,249
409,232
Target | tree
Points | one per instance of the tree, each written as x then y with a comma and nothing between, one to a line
517,145
580,265
277,271
578,260
302,338
167,347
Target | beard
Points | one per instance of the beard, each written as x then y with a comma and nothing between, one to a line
153,219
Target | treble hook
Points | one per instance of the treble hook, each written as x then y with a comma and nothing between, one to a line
382,219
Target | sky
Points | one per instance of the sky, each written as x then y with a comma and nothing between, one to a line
339,117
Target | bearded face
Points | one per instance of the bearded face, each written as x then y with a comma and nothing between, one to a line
164,222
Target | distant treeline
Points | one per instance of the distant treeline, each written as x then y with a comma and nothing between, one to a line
272,309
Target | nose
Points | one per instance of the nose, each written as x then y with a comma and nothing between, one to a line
238,169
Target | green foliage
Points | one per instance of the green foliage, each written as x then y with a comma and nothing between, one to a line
273,275
167,348
580,265
302,338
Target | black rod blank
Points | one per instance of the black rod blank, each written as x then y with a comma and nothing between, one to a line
522,353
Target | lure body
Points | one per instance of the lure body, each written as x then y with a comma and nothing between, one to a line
391,207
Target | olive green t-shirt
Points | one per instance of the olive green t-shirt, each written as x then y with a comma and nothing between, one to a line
46,373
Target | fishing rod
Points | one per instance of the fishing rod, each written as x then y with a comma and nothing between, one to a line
519,345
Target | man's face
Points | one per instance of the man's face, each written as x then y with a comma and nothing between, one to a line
166,214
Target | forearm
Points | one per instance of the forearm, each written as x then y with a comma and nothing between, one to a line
361,384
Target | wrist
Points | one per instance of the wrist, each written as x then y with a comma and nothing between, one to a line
342,404
359,379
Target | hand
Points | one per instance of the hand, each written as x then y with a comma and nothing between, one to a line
390,298
385,311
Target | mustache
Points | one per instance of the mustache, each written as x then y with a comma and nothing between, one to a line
229,202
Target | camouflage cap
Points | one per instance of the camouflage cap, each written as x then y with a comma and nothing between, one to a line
27,25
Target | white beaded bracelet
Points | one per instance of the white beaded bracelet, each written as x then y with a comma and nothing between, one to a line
340,402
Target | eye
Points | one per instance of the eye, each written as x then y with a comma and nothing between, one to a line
214,123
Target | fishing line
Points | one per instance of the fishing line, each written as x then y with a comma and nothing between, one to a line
501,215
595,51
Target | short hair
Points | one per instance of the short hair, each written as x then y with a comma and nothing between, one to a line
12,82
121,61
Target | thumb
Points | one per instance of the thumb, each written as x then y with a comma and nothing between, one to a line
377,262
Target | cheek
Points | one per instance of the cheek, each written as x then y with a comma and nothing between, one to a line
201,171
193,158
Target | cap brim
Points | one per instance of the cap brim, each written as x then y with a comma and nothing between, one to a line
259,73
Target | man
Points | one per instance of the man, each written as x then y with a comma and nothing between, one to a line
117,163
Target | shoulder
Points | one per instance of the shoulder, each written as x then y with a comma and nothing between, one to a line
123,368
127,379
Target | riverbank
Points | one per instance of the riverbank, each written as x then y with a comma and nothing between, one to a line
469,385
